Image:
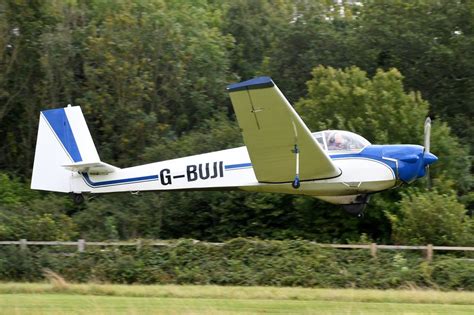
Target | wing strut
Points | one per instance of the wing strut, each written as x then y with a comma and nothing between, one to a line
296,183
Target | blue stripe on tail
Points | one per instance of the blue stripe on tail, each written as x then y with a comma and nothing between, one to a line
58,121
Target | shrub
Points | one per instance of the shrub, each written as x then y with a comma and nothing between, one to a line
241,262
431,218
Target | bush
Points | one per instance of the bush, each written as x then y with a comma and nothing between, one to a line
431,218
241,262
454,274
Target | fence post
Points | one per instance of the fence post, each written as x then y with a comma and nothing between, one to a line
429,252
139,244
23,244
81,245
373,250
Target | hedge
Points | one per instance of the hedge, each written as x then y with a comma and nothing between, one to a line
244,262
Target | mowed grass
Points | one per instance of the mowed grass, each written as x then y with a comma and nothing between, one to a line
63,298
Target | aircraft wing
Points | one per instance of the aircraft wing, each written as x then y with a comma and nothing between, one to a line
273,132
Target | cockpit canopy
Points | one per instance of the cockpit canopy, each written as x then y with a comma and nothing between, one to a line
340,141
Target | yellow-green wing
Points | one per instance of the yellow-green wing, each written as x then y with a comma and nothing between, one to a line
272,130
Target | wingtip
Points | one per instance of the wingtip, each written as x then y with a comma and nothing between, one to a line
255,83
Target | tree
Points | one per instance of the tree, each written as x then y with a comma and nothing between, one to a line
22,24
26,214
315,34
430,43
430,217
150,67
254,26
379,109
151,75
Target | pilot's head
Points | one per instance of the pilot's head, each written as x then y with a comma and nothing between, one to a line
339,140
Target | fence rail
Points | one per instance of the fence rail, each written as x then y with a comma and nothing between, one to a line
373,247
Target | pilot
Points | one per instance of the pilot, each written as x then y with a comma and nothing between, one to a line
337,142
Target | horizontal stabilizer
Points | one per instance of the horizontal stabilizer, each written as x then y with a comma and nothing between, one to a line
91,167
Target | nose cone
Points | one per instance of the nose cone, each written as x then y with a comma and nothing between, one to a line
429,158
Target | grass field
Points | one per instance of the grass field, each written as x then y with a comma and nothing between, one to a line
62,298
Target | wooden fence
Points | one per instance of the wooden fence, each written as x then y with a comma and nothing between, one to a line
373,247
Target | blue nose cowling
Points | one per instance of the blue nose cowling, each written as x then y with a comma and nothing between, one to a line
412,160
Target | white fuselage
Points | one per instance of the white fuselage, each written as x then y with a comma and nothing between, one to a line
232,169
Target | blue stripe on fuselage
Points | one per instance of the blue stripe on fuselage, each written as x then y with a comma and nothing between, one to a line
58,121
132,180
238,166
374,152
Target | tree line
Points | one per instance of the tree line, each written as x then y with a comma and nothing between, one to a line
150,76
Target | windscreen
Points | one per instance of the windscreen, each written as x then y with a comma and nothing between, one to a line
339,140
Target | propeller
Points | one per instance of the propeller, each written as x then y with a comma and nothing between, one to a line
427,134
427,138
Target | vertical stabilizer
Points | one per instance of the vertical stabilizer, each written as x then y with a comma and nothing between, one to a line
63,139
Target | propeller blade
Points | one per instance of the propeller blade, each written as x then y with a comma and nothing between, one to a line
428,178
427,150
427,134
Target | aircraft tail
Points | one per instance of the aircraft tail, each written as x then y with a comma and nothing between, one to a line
64,146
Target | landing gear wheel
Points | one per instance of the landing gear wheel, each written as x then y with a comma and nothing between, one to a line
356,208
78,199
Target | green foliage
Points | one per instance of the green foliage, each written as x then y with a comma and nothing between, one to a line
25,214
217,133
23,23
150,77
432,218
380,110
120,216
348,99
15,264
454,164
254,26
36,223
174,76
315,34
429,42
452,274
243,262
377,108
13,192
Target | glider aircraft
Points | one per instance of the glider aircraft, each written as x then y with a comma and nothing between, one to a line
281,155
